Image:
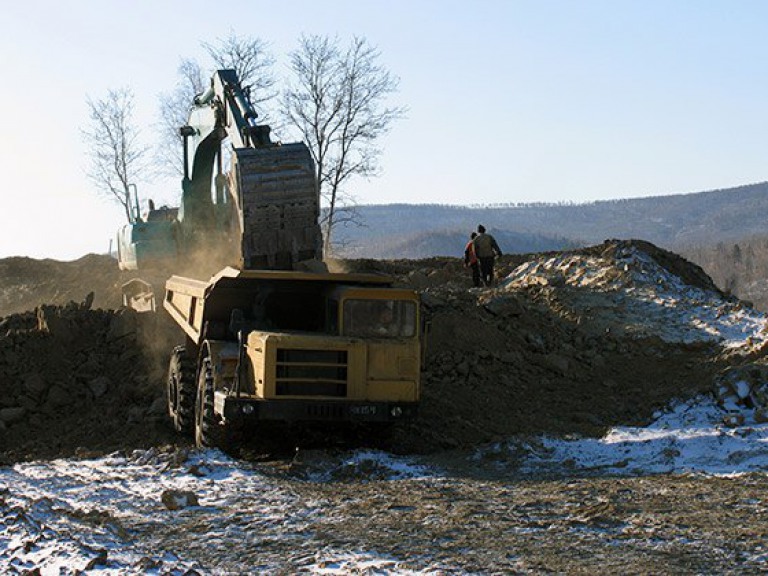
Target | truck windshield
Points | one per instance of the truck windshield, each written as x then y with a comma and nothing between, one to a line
380,318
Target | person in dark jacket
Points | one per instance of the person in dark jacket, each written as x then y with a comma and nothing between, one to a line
486,250
471,261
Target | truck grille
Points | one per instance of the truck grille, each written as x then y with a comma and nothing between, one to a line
302,372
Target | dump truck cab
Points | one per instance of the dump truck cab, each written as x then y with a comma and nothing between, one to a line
292,347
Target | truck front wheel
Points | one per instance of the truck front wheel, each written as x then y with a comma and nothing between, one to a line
210,430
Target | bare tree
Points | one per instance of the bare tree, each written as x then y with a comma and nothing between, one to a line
248,56
174,113
117,158
337,104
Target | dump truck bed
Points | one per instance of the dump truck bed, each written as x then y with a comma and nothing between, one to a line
193,302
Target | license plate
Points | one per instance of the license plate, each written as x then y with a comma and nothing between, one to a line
363,410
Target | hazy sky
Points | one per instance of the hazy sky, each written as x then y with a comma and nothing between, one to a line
509,101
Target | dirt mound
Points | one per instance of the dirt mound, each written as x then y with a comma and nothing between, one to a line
567,343
78,380
688,272
27,283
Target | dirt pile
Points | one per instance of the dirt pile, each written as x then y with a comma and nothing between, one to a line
566,343
27,283
75,379
507,365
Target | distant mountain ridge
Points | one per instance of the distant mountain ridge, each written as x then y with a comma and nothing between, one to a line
423,230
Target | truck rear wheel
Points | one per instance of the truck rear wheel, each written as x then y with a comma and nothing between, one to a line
181,390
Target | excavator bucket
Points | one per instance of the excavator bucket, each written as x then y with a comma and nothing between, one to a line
138,295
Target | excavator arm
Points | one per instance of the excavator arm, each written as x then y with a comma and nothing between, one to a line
260,213
269,200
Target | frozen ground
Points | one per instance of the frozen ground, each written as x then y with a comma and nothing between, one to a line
107,516
640,297
684,495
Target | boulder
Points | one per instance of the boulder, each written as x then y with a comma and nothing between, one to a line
12,415
178,499
35,386
99,386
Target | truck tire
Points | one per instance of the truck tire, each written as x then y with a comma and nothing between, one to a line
181,391
210,430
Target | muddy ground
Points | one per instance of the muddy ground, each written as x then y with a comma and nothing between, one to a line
647,525
81,378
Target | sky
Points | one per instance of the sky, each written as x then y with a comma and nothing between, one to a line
508,100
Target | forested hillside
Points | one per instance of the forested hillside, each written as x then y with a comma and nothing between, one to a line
738,267
704,218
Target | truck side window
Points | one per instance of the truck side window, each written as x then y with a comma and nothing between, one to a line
379,318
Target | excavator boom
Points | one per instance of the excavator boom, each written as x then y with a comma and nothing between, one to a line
261,213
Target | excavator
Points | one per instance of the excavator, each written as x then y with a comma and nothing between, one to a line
263,213
273,337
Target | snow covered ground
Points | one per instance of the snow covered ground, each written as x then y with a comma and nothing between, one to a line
690,438
108,516
101,514
69,515
640,297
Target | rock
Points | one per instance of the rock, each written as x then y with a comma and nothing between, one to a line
418,280
99,386
123,324
431,301
58,397
733,419
136,414
535,342
12,415
158,407
504,306
35,386
556,363
52,319
178,499
597,361
761,415
29,403
100,559
742,389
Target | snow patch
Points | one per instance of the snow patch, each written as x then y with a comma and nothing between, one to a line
690,438
643,298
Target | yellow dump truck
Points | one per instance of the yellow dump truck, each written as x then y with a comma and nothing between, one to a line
292,347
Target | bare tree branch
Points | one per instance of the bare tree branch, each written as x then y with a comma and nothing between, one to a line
248,56
337,105
117,157
174,113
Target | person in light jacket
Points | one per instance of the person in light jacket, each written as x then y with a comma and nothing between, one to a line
486,250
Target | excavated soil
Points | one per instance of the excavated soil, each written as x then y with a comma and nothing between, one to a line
80,375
